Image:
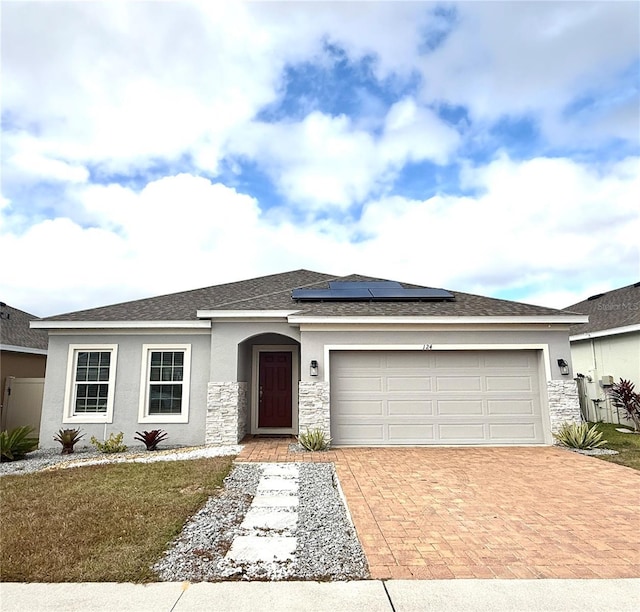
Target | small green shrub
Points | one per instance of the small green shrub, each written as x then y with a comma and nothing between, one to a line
68,438
314,440
151,438
15,444
113,444
579,435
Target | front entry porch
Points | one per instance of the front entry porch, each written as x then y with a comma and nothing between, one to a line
274,383
264,400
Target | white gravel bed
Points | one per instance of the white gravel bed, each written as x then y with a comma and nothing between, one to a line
50,458
593,451
327,545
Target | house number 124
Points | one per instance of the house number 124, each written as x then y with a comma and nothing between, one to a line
427,347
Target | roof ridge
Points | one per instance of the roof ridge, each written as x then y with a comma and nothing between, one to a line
253,297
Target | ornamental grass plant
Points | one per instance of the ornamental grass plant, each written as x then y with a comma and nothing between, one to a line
579,435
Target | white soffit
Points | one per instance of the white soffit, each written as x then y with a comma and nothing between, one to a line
22,349
606,332
543,319
120,324
226,315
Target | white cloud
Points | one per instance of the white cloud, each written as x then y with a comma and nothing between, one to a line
325,161
534,58
170,86
387,32
542,221
177,233
33,164
129,83
548,223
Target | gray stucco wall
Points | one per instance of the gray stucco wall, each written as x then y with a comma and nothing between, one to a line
227,337
313,342
127,388
223,356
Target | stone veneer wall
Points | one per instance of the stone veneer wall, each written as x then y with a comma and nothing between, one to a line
564,403
226,421
243,410
313,406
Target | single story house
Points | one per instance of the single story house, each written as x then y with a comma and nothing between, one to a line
367,361
23,359
606,349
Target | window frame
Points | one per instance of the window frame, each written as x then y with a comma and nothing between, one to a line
70,415
145,384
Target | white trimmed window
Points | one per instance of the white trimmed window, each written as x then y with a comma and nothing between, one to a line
91,374
164,386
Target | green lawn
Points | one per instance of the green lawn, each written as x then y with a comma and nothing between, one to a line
627,444
105,523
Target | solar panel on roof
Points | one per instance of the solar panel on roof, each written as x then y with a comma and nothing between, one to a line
411,294
309,294
349,294
342,285
374,291
330,294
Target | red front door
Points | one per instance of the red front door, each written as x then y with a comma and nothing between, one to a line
274,394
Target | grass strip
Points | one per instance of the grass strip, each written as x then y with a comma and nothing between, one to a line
627,445
106,523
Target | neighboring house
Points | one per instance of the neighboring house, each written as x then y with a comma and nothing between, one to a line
23,358
369,362
607,348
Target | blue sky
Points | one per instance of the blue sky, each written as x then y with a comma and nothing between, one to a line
152,147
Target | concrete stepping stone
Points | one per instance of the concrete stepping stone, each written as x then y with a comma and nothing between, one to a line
257,549
283,470
274,483
271,514
275,501
270,519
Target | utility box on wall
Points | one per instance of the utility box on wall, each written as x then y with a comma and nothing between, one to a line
606,381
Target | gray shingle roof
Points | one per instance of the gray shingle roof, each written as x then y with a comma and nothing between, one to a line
274,293
15,330
616,308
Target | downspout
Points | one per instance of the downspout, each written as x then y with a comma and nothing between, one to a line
596,401
606,398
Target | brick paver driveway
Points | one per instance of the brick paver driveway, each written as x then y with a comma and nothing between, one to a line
521,512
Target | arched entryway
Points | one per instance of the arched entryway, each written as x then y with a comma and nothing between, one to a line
270,364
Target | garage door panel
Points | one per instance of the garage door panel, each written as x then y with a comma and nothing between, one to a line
435,397
366,359
365,407
511,407
359,383
458,383
459,407
455,360
509,359
508,383
410,433
409,408
403,360
454,432
362,433
408,383
523,432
